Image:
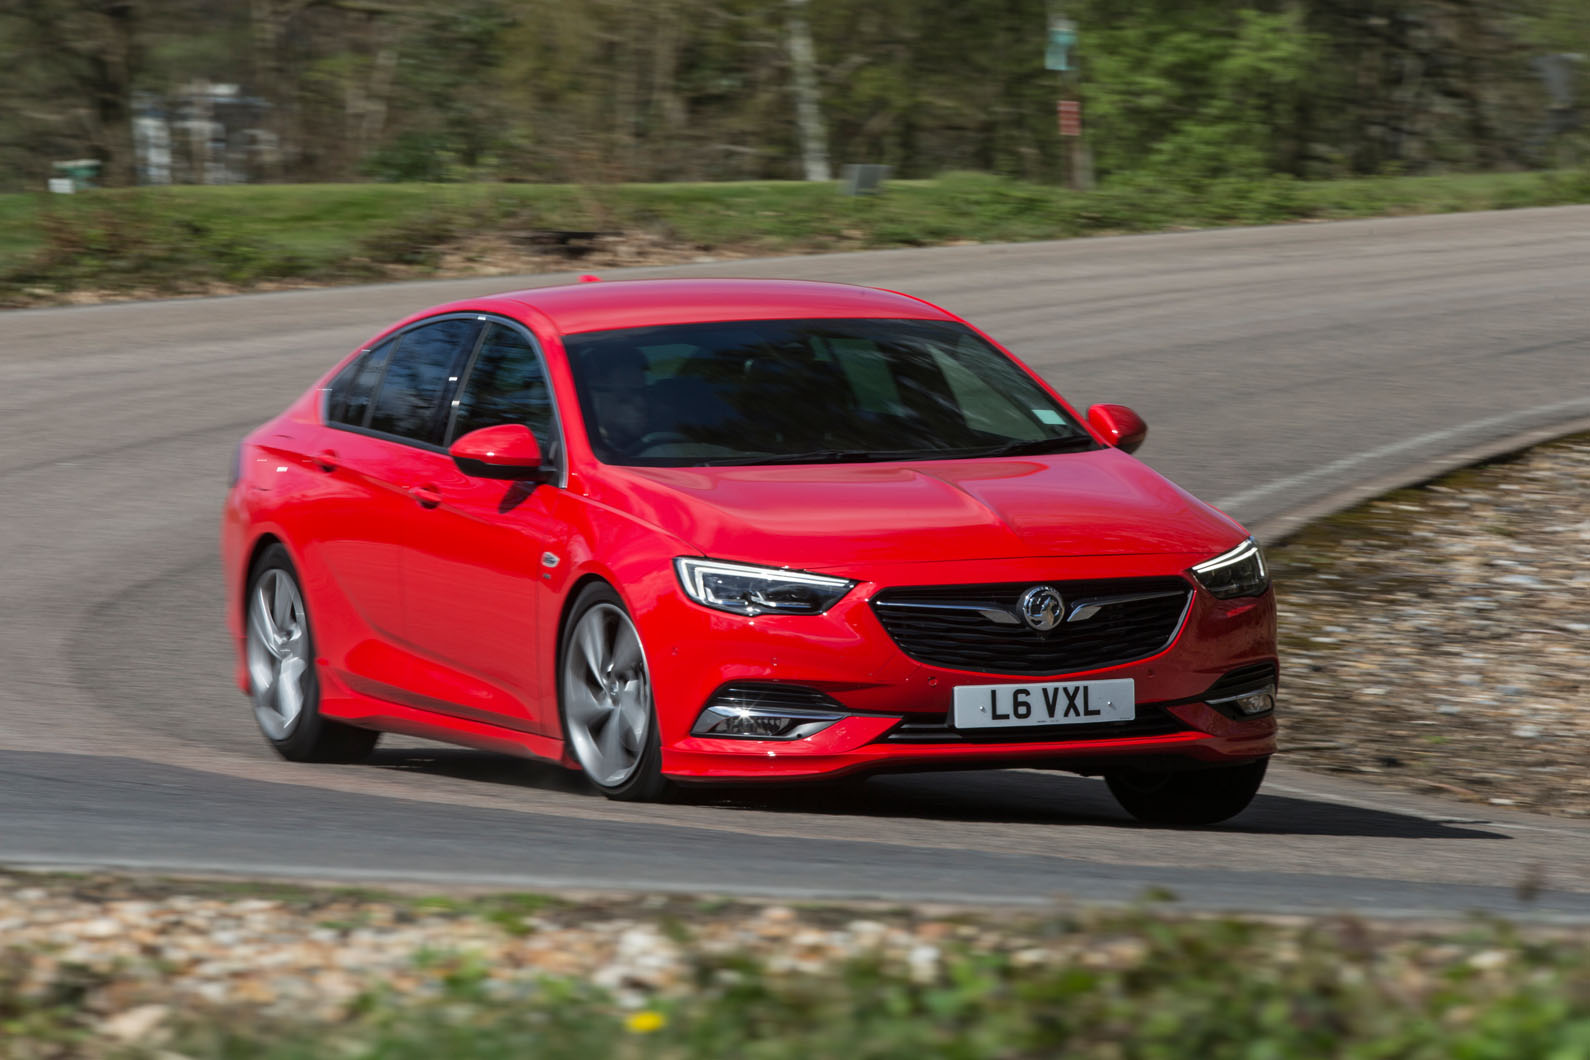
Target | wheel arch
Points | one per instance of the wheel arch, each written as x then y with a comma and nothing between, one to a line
261,545
567,609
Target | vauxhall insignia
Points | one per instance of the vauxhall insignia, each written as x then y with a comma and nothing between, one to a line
1042,607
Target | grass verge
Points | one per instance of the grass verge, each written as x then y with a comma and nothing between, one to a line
184,240
110,968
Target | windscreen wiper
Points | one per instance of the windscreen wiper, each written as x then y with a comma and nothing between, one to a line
1068,444
815,456
863,456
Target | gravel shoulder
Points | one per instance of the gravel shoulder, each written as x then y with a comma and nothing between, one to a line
1438,638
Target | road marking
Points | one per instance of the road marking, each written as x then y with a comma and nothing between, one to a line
1246,497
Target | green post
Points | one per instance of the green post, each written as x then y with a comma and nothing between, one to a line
80,171
1060,55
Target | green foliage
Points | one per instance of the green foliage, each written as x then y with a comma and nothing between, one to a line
412,156
689,90
1142,988
1558,25
1112,985
1188,92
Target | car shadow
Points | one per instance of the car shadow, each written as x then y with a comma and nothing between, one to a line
1029,797
485,767
994,796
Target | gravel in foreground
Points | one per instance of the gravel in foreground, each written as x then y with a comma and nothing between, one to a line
1438,638
105,967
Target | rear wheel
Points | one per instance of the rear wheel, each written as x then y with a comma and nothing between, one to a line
1203,796
281,670
604,692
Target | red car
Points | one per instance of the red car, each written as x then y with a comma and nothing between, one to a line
678,531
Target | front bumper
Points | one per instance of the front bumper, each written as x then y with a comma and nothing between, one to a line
901,704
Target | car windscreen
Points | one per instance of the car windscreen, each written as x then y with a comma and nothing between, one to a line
809,391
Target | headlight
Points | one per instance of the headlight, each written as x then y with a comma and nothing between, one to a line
747,590
1240,572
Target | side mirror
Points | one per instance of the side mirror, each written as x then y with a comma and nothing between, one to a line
508,451
1120,426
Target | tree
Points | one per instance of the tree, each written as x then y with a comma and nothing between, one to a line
89,51
723,89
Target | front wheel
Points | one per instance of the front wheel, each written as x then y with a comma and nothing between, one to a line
1203,796
604,691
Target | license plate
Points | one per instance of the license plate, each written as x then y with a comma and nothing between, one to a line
1078,703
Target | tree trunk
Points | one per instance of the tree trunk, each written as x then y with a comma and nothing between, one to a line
268,22
668,112
114,69
808,113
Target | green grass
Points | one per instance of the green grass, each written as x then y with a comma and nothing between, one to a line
177,239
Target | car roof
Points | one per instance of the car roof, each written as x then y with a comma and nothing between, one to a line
607,305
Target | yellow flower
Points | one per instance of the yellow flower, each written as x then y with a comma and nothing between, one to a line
645,1021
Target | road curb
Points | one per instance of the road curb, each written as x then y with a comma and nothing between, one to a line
1279,528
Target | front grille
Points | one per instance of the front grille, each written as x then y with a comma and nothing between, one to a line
1150,721
978,628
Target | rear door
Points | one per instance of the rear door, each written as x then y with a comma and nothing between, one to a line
347,536
378,438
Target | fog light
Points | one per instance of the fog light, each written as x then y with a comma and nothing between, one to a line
762,723
1256,703
1259,701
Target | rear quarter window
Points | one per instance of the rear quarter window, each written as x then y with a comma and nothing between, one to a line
349,399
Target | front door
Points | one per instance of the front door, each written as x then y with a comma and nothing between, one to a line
475,576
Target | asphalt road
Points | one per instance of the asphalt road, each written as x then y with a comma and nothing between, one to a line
1283,371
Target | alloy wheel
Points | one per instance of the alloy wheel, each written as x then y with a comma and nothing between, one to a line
278,653
606,695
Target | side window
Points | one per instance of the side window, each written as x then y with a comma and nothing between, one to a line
427,360
349,400
505,385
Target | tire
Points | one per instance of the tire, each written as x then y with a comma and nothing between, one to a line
283,684
605,701
1192,797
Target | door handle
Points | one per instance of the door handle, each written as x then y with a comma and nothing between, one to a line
426,496
326,460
